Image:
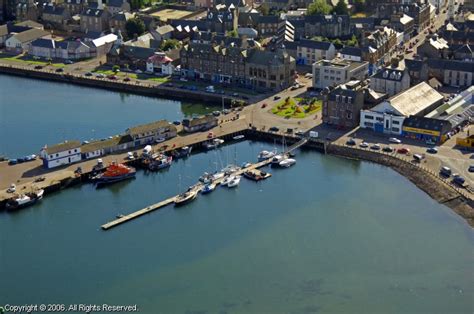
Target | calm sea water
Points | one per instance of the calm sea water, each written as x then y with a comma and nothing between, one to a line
34,113
326,236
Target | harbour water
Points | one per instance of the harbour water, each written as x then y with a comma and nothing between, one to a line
34,113
326,236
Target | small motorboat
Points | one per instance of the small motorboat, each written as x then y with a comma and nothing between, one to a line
277,159
185,197
287,162
208,188
206,178
234,182
160,162
265,154
245,165
218,175
238,137
226,180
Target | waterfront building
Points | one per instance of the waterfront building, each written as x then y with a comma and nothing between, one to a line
159,63
64,50
338,71
426,129
390,81
388,116
61,154
199,124
307,52
18,43
342,105
149,133
112,145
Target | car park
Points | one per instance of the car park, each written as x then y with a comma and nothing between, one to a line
394,140
364,145
432,150
351,142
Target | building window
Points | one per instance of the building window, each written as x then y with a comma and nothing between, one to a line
369,117
57,155
369,124
395,122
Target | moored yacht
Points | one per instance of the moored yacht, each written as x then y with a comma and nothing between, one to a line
234,182
265,154
287,162
208,188
185,197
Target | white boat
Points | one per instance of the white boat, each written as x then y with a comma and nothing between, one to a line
229,169
238,137
234,182
277,159
24,200
185,197
226,180
265,154
287,162
218,175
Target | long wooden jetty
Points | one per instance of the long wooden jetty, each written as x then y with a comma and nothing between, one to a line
197,187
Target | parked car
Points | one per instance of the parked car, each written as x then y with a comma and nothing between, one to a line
127,79
273,129
299,133
60,70
276,97
471,168
68,62
432,150
364,145
418,157
176,122
12,188
394,140
88,74
210,135
30,157
457,179
138,71
351,142
112,77
100,75
38,67
403,150
375,147
388,149
160,140
12,162
264,105
226,111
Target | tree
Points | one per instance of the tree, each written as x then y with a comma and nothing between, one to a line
359,5
341,8
319,7
115,68
232,33
134,27
264,9
170,44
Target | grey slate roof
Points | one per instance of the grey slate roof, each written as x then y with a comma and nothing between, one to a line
454,65
413,65
53,10
115,3
61,147
319,45
352,51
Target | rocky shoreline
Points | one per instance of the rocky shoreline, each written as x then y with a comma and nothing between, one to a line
429,183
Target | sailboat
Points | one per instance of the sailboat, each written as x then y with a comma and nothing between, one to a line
234,182
185,197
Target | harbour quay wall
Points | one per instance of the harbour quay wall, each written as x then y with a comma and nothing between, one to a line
131,87
431,183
